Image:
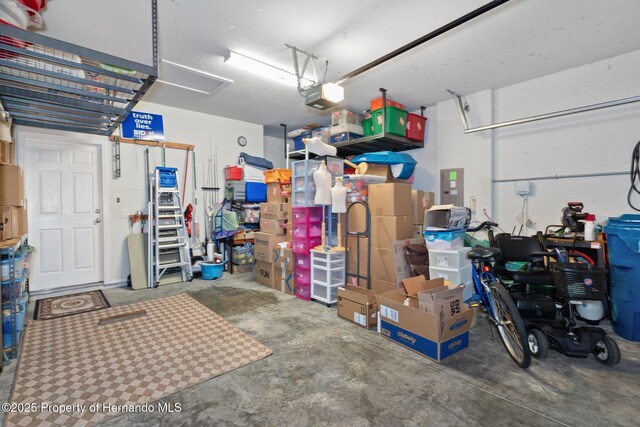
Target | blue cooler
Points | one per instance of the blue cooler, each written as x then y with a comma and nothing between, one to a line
255,192
623,240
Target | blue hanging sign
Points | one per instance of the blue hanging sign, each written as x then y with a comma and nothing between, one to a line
144,126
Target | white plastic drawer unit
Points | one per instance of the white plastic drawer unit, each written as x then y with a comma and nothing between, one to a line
453,275
327,275
452,258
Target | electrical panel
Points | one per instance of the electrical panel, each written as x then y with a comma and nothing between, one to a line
452,187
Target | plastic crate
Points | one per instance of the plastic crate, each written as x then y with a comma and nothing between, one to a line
367,126
579,281
396,121
302,291
455,258
17,285
235,190
17,267
167,176
344,136
343,117
233,173
302,261
376,104
415,127
358,186
335,165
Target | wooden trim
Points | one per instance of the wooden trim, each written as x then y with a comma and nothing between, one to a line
165,144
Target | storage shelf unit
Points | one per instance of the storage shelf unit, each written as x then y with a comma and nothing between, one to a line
9,252
303,188
327,275
53,84
381,142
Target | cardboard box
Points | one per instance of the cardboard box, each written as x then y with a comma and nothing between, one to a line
444,302
272,226
242,237
357,218
380,286
284,258
421,201
358,305
387,229
23,220
447,217
284,283
382,265
273,210
380,170
266,246
11,186
419,330
7,153
278,193
265,273
13,222
390,199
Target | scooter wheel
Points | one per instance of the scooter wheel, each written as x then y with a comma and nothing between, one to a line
606,351
538,343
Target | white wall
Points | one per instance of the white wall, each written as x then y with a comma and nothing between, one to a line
208,134
594,142
274,150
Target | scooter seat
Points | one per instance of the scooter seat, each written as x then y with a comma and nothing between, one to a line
483,253
531,277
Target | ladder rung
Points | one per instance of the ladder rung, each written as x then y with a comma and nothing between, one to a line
168,190
169,226
166,208
171,245
165,216
168,239
173,264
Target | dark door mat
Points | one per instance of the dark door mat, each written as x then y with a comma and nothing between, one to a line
66,305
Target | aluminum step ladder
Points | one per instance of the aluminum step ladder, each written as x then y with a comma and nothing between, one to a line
168,232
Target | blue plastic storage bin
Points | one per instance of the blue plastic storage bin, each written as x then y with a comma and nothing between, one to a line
444,239
297,141
623,240
255,192
167,176
211,271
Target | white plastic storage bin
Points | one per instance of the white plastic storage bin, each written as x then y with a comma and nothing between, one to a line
454,258
453,275
467,290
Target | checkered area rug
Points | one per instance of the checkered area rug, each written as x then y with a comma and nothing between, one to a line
72,363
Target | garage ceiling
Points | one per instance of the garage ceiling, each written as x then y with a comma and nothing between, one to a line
518,41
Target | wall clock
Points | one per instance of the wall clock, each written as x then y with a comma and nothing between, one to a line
242,141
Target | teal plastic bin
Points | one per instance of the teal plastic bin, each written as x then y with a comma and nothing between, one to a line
623,240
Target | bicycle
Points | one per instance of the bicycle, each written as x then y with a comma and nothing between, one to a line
497,302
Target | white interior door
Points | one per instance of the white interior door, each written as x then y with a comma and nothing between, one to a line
63,187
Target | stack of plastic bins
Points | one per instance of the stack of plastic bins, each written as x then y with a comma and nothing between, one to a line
306,231
454,266
327,275
303,188
623,240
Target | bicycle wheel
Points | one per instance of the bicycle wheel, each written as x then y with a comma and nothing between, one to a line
510,325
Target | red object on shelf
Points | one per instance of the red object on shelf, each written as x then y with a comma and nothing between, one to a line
415,127
376,104
233,173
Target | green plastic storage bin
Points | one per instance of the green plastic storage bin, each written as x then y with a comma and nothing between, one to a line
367,127
396,121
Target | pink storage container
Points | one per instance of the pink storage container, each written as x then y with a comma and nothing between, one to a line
302,277
302,261
304,246
306,215
304,231
303,291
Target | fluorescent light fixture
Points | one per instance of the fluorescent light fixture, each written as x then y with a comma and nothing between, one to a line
324,96
183,87
264,69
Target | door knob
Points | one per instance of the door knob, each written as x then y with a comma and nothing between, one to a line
98,210
98,220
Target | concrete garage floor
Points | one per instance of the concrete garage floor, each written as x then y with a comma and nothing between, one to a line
327,371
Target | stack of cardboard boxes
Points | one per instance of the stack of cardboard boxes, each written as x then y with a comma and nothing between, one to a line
271,259
13,208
